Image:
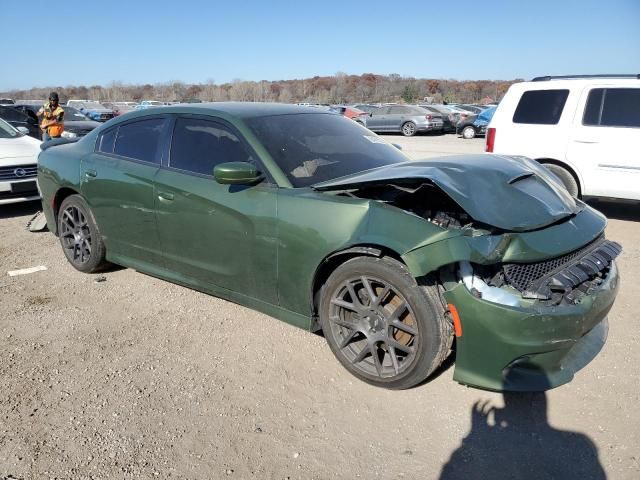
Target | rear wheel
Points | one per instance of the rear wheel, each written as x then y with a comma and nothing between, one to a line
468,132
408,129
567,179
381,325
79,235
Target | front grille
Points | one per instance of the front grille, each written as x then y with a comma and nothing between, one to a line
18,172
523,275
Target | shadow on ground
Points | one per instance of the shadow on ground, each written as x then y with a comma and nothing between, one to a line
517,442
618,210
20,209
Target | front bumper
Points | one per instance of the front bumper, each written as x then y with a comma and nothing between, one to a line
15,191
505,348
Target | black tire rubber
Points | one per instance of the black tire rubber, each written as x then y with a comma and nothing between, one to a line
467,128
567,179
435,331
415,130
96,261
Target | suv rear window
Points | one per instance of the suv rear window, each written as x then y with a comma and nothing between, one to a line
540,107
613,107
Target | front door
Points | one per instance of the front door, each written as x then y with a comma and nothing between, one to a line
215,235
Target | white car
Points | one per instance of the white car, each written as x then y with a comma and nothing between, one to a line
585,129
18,165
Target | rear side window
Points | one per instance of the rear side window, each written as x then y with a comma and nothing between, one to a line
106,141
199,145
140,140
613,107
540,107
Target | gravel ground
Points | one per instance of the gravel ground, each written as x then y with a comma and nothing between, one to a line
133,377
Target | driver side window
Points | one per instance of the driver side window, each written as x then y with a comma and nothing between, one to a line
199,145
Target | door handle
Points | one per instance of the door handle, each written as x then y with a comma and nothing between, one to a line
165,196
90,174
586,141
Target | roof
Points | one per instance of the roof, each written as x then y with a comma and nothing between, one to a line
236,109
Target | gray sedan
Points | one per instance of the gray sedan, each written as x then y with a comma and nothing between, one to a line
403,118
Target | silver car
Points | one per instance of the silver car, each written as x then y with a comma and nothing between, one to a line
407,119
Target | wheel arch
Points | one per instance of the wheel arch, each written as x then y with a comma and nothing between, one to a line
337,258
58,198
568,168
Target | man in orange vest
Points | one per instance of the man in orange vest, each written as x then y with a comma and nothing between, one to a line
52,124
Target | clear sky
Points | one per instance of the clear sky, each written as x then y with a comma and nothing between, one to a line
61,43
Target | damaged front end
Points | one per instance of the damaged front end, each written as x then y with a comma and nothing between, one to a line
525,265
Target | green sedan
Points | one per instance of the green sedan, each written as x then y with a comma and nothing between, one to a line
309,217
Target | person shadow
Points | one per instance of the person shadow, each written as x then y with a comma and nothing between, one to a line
516,442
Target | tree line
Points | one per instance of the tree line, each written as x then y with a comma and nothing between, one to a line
336,89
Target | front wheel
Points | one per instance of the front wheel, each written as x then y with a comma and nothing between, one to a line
384,327
408,129
468,133
79,235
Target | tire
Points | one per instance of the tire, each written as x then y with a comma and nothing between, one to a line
567,179
468,133
79,235
363,303
408,129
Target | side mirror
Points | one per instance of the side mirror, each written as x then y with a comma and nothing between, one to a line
23,130
397,146
236,173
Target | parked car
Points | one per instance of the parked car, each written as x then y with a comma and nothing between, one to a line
475,125
76,124
148,104
92,110
407,119
240,201
18,118
585,129
449,118
474,109
120,108
18,159
6,101
355,114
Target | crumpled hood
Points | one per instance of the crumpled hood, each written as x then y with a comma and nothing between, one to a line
510,193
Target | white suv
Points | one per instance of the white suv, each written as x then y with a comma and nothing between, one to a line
586,129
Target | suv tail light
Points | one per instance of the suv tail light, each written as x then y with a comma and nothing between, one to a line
428,117
491,140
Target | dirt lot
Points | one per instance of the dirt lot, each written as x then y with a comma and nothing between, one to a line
134,377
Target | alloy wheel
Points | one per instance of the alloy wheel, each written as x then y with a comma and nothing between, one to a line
75,235
374,326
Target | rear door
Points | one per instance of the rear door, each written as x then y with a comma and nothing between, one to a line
117,182
216,235
397,116
604,141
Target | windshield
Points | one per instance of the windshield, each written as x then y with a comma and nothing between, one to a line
312,148
7,131
73,115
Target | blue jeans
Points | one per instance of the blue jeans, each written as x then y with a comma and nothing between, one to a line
45,136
